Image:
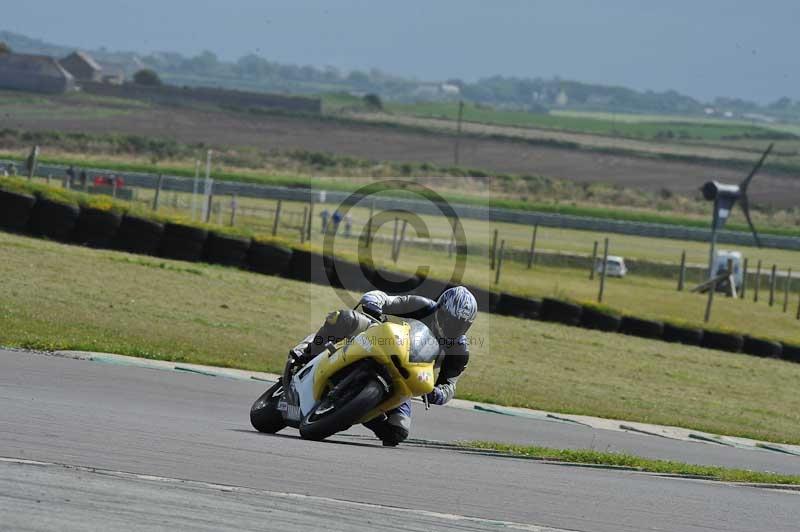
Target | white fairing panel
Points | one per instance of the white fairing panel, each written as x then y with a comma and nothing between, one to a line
303,383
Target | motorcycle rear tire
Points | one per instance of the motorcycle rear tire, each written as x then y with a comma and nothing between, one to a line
268,418
343,416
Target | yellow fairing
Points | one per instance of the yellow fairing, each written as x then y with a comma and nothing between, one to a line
381,343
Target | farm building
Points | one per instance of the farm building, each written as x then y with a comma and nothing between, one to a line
112,73
82,66
37,73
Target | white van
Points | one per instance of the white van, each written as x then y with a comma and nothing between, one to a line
721,265
615,266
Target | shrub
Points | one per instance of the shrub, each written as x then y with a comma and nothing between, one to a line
147,77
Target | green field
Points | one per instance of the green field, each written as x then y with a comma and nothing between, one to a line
55,296
495,191
639,295
650,128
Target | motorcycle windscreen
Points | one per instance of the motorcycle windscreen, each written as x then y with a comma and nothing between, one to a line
425,346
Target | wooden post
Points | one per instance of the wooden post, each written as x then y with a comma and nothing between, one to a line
210,204
493,251
744,277
711,290
457,148
368,236
772,285
500,262
394,238
277,218
32,162
786,284
758,282
158,191
114,187
532,252
234,206
798,308
303,226
195,188
682,273
400,241
603,272
310,219
594,261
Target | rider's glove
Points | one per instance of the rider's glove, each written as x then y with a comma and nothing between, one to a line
436,397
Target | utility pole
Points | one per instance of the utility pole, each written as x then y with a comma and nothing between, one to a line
457,150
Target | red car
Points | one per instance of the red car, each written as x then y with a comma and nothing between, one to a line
108,181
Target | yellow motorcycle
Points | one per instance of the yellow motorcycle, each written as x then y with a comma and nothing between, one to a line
352,381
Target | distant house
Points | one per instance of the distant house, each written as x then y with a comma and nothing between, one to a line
113,73
36,73
82,66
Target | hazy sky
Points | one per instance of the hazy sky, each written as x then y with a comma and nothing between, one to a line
703,48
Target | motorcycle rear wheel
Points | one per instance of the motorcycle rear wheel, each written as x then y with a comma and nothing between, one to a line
264,414
328,418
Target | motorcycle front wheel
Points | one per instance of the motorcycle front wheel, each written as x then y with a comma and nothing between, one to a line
332,416
264,414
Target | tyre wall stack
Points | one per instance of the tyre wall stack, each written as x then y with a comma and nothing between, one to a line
65,222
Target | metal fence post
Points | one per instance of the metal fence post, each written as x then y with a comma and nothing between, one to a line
493,251
158,191
499,262
594,261
772,285
758,282
533,246
277,218
786,284
744,277
603,272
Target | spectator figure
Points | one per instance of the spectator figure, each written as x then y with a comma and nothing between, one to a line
336,219
71,175
83,179
348,225
324,215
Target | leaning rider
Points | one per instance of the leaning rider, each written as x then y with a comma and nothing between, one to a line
448,318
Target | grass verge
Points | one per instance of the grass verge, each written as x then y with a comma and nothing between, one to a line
56,296
587,456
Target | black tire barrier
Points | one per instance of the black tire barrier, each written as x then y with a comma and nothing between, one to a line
519,307
487,300
682,335
228,250
350,276
182,242
642,328
138,235
594,318
97,228
53,219
561,311
723,341
790,352
395,283
269,259
307,266
15,210
761,348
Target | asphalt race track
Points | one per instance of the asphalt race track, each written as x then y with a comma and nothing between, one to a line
91,446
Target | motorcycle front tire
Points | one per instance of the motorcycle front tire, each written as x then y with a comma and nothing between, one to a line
316,426
264,414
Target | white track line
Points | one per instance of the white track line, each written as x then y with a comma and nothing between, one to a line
294,496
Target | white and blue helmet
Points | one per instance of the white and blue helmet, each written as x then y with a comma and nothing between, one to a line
456,309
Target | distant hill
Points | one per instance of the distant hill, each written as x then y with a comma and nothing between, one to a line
255,73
